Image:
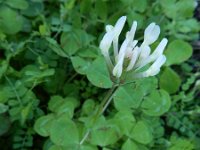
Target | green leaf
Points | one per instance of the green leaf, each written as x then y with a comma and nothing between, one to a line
177,52
67,109
85,6
141,133
88,107
4,125
185,8
157,103
127,96
188,26
62,106
132,15
80,65
101,9
3,108
34,9
104,133
125,120
4,94
64,132
178,9
25,112
72,41
44,30
90,52
18,4
178,143
129,145
88,147
140,6
3,68
78,147
170,80
10,21
43,125
55,47
56,147
98,74
55,102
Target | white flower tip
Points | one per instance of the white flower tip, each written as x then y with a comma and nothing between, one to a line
117,71
134,23
155,67
109,28
134,26
151,33
165,41
149,27
106,42
122,19
160,48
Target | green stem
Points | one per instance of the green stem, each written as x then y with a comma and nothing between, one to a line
103,106
106,99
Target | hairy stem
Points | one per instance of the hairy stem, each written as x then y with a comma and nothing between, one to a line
103,106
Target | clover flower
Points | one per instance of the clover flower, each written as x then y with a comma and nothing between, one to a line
130,57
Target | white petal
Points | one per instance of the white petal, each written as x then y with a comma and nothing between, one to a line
131,33
106,42
154,69
159,49
123,49
134,43
109,28
151,33
144,52
105,45
149,28
119,25
133,59
117,71
157,52
130,49
117,30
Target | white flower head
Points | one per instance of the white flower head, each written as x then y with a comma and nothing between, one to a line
130,57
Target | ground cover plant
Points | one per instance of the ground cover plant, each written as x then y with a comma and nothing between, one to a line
99,74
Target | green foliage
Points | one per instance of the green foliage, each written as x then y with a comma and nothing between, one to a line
104,133
10,17
141,133
67,135
180,143
57,93
129,145
98,74
177,52
157,103
173,86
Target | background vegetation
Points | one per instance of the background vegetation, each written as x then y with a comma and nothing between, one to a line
50,68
